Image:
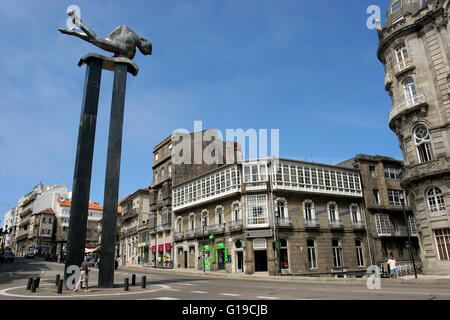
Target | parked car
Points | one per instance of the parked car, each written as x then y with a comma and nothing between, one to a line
8,256
29,255
50,257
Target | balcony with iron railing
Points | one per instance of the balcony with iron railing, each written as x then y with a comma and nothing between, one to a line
335,224
235,225
179,235
407,105
129,214
403,66
283,222
164,227
312,223
190,233
217,228
358,225
161,179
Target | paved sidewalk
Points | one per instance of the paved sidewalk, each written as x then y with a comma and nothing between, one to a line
410,279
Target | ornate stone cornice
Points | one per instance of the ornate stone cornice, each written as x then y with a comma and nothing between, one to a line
424,171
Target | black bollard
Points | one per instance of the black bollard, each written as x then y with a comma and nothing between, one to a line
60,285
133,279
30,280
125,288
38,280
33,285
144,282
57,280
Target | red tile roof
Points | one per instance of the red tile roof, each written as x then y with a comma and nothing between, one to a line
93,206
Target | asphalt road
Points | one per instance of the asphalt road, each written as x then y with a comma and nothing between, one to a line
170,285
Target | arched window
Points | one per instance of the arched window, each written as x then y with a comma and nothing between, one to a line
205,217
422,141
308,210
219,215
355,213
333,214
409,88
282,208
179,224
401,54
236,211
192,221
436,203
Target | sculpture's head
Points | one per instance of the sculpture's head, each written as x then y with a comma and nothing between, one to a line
145,46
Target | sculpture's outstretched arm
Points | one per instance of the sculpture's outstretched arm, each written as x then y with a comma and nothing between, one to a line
75,33
77,21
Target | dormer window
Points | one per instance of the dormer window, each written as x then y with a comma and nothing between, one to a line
396,6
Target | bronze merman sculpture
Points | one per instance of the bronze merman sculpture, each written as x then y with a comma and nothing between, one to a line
122,41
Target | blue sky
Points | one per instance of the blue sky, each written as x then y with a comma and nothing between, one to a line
307,68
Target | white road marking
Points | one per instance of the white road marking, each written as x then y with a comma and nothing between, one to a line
199,292
163,298
230,294
269,298
173,289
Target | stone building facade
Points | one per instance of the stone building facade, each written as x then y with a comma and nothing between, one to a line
272,215
176,159
414,49
93,227
134,226
386,225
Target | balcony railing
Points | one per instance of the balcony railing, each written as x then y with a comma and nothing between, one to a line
358,225
178,235
407,104
161,179
217,228
190,233
312,223
235,225
164,227
403,66
335,224
284,223
130,213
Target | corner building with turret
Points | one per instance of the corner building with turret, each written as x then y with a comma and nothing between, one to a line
414,49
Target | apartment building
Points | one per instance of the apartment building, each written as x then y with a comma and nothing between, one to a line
384,199
279,216
414,50
133,238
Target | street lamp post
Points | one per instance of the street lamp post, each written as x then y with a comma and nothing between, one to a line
203,248
411,256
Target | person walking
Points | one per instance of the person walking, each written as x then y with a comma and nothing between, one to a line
393,268
84,275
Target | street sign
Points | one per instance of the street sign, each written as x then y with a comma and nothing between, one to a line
258,233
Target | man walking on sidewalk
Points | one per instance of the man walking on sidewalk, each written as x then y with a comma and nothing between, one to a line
393,270
84,275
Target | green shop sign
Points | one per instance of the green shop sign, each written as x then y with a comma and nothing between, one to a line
220,245
205,247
